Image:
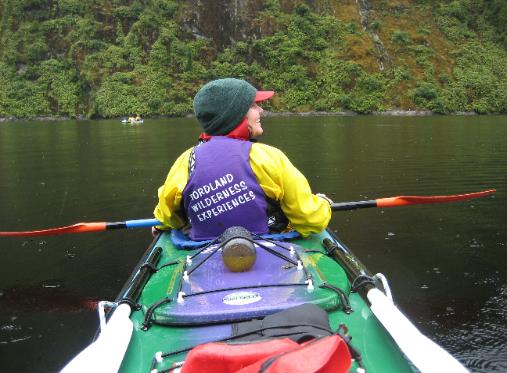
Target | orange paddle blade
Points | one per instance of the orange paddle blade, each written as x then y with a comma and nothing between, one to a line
75,228
417,200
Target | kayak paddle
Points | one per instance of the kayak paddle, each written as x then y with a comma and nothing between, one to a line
407,200
415,345
343,206
87,227
106,353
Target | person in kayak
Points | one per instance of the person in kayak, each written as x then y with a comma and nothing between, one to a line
229,179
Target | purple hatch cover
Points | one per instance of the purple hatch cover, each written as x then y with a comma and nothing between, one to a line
214,294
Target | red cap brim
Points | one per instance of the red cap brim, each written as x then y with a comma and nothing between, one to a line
263,95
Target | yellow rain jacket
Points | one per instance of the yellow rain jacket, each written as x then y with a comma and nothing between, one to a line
278,178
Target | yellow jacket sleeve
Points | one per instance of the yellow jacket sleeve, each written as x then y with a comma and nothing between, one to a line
284,183
168,209
278,178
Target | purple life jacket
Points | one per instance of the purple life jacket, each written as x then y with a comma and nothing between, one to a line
222,191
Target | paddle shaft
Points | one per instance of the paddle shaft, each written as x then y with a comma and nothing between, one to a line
345,206
138,223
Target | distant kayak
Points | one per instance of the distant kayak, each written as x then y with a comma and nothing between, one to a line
126,121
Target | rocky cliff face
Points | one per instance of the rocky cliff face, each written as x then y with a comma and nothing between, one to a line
224,22
228,21
364,10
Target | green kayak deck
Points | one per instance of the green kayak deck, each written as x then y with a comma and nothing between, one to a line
162,327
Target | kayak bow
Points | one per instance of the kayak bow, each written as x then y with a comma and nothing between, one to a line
191,298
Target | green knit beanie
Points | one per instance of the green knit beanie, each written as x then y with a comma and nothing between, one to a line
221,105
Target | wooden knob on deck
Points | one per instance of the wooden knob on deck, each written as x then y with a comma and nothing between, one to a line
238,251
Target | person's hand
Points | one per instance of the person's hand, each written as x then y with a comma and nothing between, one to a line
155,231
323,196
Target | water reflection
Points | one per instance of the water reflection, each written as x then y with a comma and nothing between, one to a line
483,344
446,263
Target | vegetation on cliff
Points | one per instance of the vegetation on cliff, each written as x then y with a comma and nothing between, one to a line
98,58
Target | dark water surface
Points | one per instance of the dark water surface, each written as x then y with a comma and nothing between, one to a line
447,263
